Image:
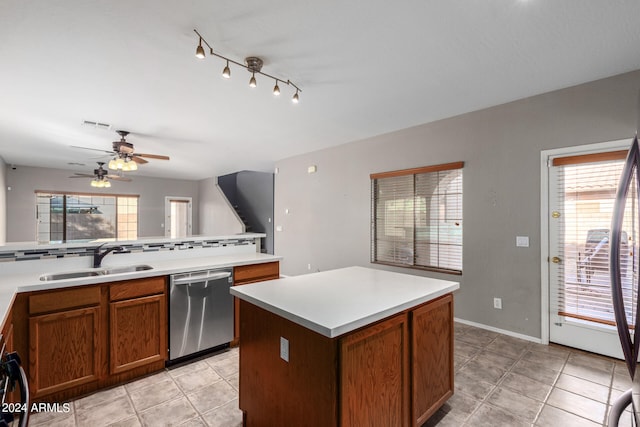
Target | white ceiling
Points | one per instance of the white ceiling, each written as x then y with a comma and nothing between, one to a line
365,67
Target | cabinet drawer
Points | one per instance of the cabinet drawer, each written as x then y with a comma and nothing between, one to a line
136,288
256,272
44,302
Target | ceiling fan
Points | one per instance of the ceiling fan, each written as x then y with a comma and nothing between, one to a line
100,177
125,158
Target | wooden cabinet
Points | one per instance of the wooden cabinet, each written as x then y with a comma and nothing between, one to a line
396,372
7,346
64,334
245,274
374,375
431,357
138,324
6,334
89,337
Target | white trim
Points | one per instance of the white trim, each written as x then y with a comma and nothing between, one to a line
545,162
167,214
544,246
500,331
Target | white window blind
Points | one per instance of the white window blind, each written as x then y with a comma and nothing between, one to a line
417,218
586,191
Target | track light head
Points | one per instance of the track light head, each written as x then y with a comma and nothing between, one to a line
276,89
252,82
200,50
295,98
226,73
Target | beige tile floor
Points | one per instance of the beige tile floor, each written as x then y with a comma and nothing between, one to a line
201,393
500,381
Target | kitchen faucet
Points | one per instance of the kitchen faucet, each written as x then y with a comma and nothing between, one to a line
97,255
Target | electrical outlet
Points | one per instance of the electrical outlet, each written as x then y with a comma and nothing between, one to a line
497,303
284,349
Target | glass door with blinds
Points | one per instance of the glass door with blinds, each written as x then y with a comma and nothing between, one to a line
582,191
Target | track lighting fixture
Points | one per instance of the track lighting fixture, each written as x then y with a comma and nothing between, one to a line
226,73
252,64
200,50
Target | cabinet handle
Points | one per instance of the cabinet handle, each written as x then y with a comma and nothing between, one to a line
200,277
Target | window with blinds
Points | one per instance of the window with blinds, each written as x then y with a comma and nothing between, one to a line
586,188
416,218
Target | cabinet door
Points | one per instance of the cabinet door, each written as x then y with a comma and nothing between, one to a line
374,377
6,344
64,351
243,275
432,357
138,332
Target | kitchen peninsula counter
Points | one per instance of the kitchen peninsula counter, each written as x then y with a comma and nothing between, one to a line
354,346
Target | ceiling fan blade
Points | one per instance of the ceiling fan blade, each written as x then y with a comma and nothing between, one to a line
92,149
139,160
152,156
81,175
119,178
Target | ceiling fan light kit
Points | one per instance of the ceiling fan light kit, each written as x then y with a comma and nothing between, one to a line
100,177
100,183
124,158
252,64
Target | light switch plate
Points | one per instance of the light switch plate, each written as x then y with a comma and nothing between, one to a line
284,349
522,241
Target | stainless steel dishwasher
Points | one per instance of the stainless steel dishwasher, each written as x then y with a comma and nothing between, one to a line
200,311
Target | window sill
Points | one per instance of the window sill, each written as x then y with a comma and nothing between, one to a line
417,267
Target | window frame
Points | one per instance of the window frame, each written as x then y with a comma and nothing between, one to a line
80,194
374,177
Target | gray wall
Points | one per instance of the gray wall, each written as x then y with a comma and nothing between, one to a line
328,224
255,198
24,181
217,217
3,201
252,193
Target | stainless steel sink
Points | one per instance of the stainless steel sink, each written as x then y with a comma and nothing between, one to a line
69,275
127,269
93,273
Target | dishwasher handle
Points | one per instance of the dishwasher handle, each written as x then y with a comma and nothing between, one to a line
200,277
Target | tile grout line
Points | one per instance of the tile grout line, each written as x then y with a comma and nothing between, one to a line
135,410
553,385
493,388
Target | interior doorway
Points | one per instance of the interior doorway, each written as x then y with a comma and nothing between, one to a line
178,217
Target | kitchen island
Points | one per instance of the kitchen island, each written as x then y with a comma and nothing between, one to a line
354,346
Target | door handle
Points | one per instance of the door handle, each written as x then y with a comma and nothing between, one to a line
556,260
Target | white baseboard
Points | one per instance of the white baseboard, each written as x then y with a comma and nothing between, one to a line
498,330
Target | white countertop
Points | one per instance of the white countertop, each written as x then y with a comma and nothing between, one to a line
335,302
28,281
